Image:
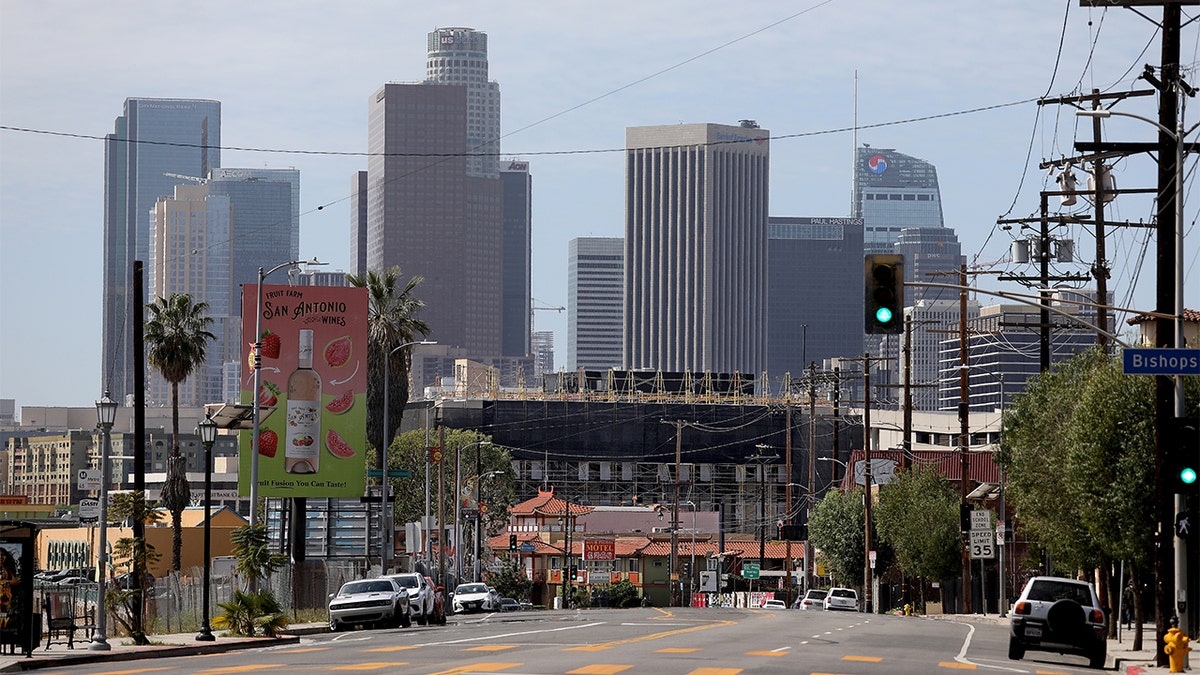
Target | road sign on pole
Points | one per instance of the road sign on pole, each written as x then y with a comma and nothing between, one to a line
750,570
1148,361
983,544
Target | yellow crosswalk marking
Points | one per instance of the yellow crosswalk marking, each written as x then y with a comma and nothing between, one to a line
133,671
589,648
678,650
391,649
763,652
1050,672
489,648
303,650
956,664
867,659
478,668
599,669
716,671
379,665
240,668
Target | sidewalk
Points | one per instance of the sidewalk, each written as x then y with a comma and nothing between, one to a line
178,644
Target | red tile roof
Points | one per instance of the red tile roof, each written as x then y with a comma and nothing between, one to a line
1192,315
546,504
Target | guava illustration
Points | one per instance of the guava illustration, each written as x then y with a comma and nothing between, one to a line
342,403
337,352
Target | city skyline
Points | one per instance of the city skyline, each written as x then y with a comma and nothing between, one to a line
799,72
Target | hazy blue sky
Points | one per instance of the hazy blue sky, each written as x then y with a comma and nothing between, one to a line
948,82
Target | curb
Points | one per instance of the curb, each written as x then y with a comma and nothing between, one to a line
150,651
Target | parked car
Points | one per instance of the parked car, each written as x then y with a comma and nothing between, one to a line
1054,614
420,596
494,596
509,605
813,599
842,598
472,597
439,603
774,604
379,602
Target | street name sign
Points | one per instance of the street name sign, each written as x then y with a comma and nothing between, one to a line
1139,361
750,570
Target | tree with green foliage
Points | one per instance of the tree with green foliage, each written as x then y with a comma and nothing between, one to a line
835,529
391,321
177,337
127,604
249,610
511,581
497,493
917,514
1079,450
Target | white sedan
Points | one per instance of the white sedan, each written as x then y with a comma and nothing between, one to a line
473,598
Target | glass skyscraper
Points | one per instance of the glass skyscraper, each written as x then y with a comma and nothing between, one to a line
892,192
595,288
459,56
154,142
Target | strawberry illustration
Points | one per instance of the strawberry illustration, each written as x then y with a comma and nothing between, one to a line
270,345
268,394
267,441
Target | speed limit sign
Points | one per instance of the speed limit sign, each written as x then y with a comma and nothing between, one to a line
983,545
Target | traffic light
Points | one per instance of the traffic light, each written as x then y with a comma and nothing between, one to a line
574,573
1182,464
512,542
884,299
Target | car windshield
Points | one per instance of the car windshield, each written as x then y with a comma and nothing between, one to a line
842,593
366,587
815,595
407,582
1050,591
471,588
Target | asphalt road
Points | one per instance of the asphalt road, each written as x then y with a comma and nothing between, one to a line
634,642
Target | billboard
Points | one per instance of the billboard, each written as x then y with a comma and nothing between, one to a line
314,373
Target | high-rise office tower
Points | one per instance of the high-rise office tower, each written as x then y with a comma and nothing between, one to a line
815,289
190,253
696,199
427,215
595,292
931,254
932,320
266,219
358,223
153,139
893,191
459,56
516,262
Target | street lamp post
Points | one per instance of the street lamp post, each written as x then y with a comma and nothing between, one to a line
257,419
478,576
384,512
106,415
208,435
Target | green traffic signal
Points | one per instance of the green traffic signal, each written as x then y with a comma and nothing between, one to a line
883,299
883,315
1187,475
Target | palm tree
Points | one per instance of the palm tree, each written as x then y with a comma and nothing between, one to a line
392,321
177,336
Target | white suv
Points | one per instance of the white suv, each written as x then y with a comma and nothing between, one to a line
1054,614
421,600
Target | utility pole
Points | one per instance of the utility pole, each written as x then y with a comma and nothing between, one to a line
673,559
762,497
812,472
964,412
867,567
906,442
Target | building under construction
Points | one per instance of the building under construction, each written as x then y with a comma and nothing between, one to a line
633,437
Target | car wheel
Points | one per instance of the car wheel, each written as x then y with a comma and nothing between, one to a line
442,619
1016,650
1097,657
422,620
334,626
406,619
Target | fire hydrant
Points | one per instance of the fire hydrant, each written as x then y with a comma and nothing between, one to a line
1176,647
907,609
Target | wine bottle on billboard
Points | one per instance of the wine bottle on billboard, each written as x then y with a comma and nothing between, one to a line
302,448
